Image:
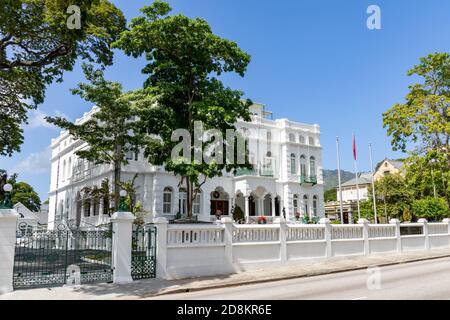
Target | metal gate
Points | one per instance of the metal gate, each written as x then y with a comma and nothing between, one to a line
143,252
66,255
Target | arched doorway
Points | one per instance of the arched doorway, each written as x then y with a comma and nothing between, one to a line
219,202
277,206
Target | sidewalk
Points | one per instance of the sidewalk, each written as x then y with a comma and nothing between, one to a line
151,287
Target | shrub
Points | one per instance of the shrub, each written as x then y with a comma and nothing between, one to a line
238,214
432,209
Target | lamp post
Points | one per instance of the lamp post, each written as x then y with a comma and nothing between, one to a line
7,203
123,207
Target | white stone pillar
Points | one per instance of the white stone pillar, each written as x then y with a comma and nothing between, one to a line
326,222
273,206
283,238
121,250
228,239
365,233
397,233
424,223
161,247
247,209
447,221
8,224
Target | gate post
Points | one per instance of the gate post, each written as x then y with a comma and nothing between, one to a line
365,233
8,224
161,247
121,246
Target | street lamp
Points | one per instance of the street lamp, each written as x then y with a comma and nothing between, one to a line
123,207
7,203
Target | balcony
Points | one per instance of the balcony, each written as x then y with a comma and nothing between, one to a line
265,168
308,180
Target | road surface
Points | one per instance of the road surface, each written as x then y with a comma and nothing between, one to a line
428,279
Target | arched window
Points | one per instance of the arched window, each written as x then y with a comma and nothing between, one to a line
301,139
196,203
303,165
69,168
314,206
167,200
182,203
61,210
66,213
64,168
312,167
311,141
305,205
269,136
293,165
291,137
295,203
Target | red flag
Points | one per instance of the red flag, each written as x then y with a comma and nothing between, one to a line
354,147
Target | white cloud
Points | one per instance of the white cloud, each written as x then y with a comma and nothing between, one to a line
36,119
34,163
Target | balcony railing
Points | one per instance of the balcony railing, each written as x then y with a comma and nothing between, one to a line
308,180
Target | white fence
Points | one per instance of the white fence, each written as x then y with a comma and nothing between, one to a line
201,250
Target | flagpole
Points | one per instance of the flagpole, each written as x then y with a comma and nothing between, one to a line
373,185
356,176
339,179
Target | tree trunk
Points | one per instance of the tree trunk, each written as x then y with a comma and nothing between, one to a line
188,198
117,169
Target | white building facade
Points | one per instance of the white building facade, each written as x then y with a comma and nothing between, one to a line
286,179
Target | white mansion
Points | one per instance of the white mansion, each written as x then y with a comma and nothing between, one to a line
287,178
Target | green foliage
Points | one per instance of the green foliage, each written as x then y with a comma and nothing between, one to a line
424,119
335,222
184,60
432,209
110,133
330,195
36,47
366,210
238,214
25,194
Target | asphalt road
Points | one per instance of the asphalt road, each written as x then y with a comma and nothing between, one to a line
428,279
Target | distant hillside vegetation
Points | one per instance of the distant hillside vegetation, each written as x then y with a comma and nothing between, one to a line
330,178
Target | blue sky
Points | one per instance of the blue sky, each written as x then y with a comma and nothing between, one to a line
313,61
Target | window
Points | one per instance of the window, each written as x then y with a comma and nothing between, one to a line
305,204
291,137
87,207
293,165
295,203
303,165
167,200
315,206
66,213
312,167
301,139
196,203
269,136
69,168
64,168
311,141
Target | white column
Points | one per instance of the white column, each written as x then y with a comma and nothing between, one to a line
425,232
121,250
262,211
283,235
447,221
326,222
247,210
365,224
8,224
228,239
161,247
273,206
397,233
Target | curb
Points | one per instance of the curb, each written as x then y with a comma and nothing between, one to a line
289,277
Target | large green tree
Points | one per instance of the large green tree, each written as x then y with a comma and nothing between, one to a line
184,59
424,119
110,133
37,46
25,194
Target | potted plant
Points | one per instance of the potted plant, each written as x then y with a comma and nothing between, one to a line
238,215
262,220
297,216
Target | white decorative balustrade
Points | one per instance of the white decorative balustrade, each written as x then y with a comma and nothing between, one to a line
256,233
195,235
382,231
437,228
341,232
305,232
